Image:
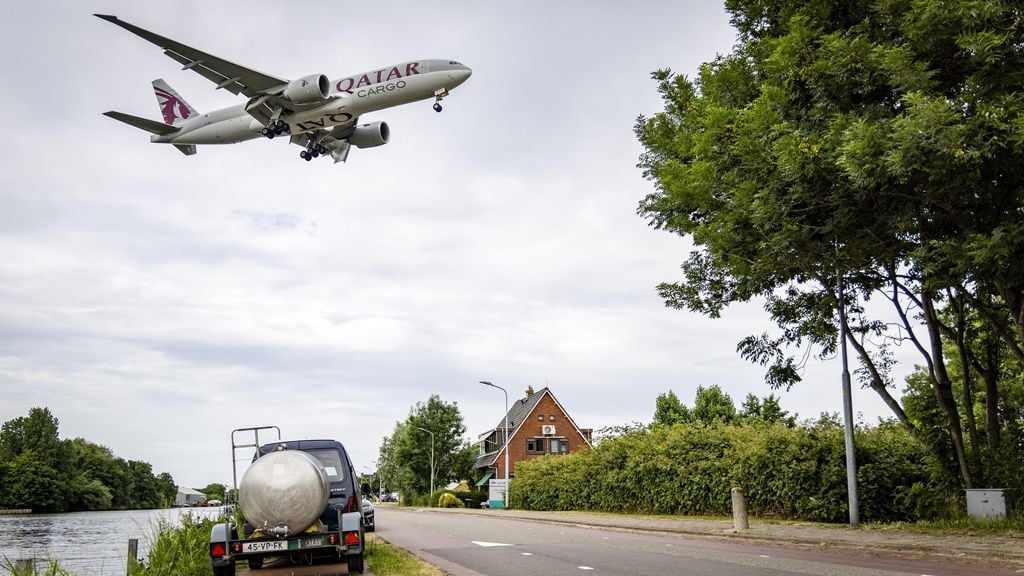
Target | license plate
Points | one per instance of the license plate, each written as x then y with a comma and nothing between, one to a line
312,542
265,546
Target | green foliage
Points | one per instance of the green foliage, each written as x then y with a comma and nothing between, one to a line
40,471
51,568
449,500
213,491
669,410
872,141
785,472
176,550
405,455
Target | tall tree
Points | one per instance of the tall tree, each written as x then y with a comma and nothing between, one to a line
872,143
406,454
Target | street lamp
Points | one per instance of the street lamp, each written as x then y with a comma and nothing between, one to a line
380,482
431,457
508,500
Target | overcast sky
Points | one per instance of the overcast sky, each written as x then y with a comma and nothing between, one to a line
154,302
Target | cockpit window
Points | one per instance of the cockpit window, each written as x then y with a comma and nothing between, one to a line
453,63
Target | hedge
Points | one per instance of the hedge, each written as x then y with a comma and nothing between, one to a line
785,472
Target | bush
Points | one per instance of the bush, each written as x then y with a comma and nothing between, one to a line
450,500
794,473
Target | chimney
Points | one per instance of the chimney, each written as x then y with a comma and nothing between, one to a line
529,391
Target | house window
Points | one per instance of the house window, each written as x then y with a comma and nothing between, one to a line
535,445
540,418
551,418
559,446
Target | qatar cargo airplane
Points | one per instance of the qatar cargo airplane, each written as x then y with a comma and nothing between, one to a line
319,114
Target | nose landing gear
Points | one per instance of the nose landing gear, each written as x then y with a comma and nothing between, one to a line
439,95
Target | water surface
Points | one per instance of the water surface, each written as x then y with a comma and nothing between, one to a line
86,543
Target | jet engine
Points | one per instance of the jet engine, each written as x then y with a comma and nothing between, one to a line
308,89
370,135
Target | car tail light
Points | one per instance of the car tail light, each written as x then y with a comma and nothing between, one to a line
351,505
332,539
351,538
217,549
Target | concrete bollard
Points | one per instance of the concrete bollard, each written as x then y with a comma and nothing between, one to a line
739,510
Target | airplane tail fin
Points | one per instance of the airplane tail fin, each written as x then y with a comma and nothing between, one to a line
172,106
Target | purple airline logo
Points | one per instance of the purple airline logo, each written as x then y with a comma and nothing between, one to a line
171,106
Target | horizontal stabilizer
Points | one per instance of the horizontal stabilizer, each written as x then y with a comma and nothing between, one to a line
143,123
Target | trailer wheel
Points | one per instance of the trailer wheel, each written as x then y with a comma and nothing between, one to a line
228,570
355,563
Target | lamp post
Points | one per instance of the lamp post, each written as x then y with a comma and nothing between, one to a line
380,482
431,457
508,500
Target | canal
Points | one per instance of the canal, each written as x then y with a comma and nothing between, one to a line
86,543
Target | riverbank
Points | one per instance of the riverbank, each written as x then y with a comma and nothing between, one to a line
16,511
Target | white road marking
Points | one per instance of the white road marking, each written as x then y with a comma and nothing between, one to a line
764,556
527,553
488,544
584,567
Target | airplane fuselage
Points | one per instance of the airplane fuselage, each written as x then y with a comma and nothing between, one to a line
350,97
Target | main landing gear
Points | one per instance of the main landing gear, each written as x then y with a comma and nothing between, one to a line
437,107
312,151
275,128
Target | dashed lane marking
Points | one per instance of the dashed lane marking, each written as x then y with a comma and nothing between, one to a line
488,544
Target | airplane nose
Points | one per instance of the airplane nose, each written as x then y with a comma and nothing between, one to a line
460,75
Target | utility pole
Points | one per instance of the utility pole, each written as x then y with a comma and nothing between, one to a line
851,456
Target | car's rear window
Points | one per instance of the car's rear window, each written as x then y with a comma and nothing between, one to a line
331,461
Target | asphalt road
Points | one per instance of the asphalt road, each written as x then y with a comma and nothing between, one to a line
471,545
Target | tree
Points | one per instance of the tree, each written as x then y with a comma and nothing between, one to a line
765,411
870,145
36,433
405,456
669,410
31,483
213,491
713,405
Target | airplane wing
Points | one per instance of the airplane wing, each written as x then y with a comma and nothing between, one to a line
227,75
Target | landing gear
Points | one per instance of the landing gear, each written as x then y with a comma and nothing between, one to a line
439,94
312,151
275,128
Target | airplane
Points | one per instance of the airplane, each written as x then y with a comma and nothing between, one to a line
317,113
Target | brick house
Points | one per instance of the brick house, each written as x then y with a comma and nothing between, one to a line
538,425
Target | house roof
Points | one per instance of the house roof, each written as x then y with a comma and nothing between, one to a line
485,460
189,492
517,415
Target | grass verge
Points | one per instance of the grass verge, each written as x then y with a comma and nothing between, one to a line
389,560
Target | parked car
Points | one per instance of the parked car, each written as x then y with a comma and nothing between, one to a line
368,516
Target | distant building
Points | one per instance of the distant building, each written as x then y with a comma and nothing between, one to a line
188,497
538,425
